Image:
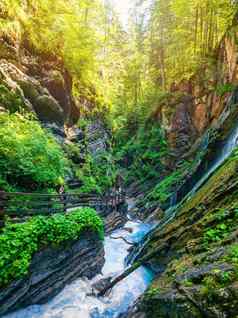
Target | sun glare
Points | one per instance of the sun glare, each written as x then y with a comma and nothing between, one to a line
123,8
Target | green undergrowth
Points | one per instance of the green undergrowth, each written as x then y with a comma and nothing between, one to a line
30,157
163,190
143,154
19,242
10,100
97,174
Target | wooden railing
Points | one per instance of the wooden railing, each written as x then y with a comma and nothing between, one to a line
21,205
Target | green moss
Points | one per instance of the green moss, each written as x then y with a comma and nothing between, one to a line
233,254
164,189
29,90
143,154
151,292
216,183
225,88
19,242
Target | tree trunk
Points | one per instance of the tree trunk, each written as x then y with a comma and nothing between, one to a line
130,270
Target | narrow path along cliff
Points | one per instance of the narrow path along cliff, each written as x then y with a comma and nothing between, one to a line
118,159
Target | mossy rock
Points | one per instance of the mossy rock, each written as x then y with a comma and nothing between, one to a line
204,265
29,90
217,183
48,109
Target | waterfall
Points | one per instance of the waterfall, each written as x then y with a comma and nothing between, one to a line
225,151
192,186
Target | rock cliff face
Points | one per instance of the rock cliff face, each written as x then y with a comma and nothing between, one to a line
113,217
196,263
50,271
97,137
196,104
43,83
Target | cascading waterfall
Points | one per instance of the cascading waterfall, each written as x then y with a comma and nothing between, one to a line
226,150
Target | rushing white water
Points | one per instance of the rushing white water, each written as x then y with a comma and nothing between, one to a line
74,301
224,152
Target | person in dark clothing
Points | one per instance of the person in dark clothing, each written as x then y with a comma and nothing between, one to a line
63,197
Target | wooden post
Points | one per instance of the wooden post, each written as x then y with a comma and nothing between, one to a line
65,201
2,208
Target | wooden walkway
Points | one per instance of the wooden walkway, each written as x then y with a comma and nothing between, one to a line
19,205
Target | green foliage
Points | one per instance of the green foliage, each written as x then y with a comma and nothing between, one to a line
216,234
224,221
30,158
225,88
151,292
210,286
233,254
19,242
163,190
74,151
10,100
184,35
98,174
217,279
143,153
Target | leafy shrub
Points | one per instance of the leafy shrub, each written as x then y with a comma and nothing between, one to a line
19,242
10,100
216,234
29,156
143,153
162,190
225,88
233,254
225,222
98,174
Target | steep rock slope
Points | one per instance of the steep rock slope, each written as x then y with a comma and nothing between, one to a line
197,259
196,104
196,116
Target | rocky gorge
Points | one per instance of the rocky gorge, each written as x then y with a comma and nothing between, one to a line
177,230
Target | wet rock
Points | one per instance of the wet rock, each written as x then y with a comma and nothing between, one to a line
102,283
50,271
114,218
198,273
74,134
48,109
97,138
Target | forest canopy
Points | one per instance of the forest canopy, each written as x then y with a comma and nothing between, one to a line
127,68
